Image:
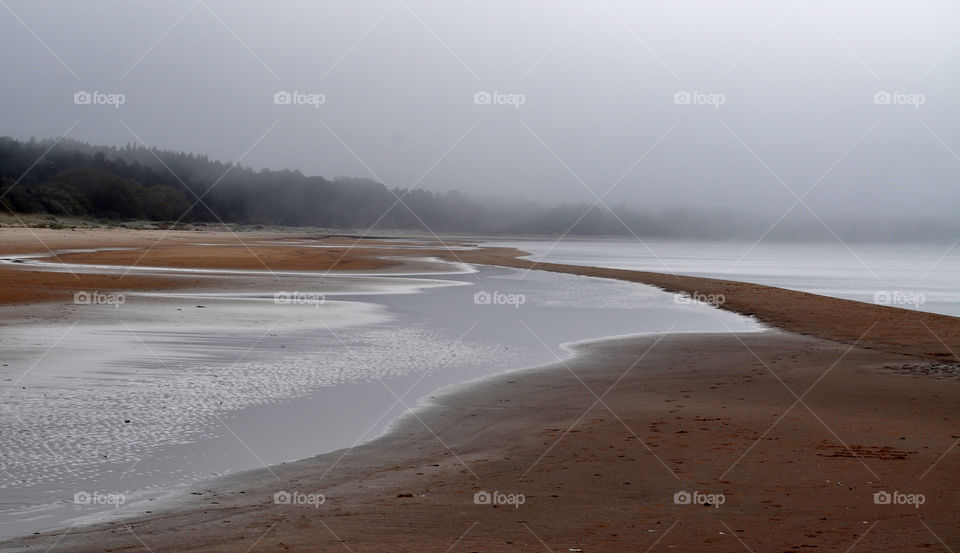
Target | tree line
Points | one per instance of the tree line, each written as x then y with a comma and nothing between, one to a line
133,182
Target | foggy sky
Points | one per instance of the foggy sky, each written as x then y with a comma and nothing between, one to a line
798,83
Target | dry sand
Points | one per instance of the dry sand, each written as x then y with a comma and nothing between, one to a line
796,429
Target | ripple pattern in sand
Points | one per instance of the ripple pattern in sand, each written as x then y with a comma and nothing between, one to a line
65,433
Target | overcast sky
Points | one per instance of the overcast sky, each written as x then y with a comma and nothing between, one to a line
782,96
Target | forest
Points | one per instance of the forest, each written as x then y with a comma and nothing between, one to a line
73,179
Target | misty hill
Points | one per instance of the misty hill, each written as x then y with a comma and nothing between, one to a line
75,179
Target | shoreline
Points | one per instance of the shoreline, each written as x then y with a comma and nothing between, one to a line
397,486
176,499
160,260
572,349
925,335
554,454
930,336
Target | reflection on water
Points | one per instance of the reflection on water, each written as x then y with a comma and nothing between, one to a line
171,388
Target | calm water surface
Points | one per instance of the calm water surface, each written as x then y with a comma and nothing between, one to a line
169,389
924,277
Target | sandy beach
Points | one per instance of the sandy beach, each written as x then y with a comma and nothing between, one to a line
782,437
545,277
177,249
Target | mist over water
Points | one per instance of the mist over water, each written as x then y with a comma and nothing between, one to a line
803,144
800,119
908,276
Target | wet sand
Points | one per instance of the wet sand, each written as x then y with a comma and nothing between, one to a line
884,328
798,429
254,251
697,413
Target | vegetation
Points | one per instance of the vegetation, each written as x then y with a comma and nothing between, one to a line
130,183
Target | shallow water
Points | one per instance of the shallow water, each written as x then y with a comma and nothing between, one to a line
167,389
922,277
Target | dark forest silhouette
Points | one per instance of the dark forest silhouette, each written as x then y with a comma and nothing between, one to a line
132,182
